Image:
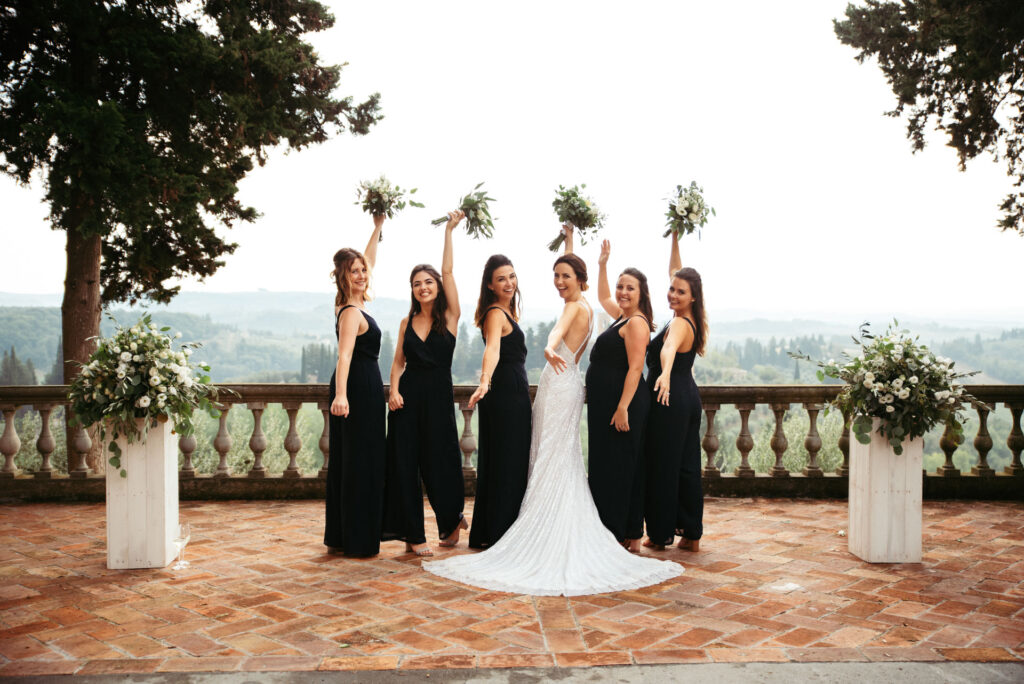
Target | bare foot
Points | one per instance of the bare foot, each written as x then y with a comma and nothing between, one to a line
453,538
651,545
632,545
688,544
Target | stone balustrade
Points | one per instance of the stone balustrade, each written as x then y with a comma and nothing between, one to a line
947,481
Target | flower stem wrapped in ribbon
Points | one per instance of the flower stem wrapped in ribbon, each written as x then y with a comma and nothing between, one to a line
572,207
381,197
478,213
687,210
901,382
137,374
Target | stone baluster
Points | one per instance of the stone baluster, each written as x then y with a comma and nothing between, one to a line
948,443
81,446
710,442
983,445
1015,442
325,437
292,443
744,442
779,442
844,446
812,442
258,441
10,442
187,444
222,442
45,444
468,441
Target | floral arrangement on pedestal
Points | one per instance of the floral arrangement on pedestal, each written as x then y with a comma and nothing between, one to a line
899,381
573,208
381,197
478,213
136,375
687,210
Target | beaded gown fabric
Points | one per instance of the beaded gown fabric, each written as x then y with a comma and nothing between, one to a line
557,545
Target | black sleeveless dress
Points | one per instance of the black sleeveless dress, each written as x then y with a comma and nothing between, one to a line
423,442
503,461
615,459
355,471
675,498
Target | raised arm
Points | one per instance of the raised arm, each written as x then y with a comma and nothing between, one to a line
604,293
676,338
348,329
448,274
493,323
674,262
636,333
371,246
567,229
395,400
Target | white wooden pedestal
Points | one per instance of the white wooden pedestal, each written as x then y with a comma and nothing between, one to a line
885,500
142,509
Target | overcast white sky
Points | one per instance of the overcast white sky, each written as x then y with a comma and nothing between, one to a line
822,209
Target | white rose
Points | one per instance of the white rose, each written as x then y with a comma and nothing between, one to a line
136,358
889,398
164,354
897,383
133,346
116,349
187,352
161,396
172,391
869,376
904,393
161,388
890,409
913,380
177,335
134,330
187,382
868,384
692,217
126,356
143,401
121,374
160,404
951,400
154,380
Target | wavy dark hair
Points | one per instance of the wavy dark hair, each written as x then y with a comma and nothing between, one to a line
342,258
578,266
645,294
700,319
488,297
440,319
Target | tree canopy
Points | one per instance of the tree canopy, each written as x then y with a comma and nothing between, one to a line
957,65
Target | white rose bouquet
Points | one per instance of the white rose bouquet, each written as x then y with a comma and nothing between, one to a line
478,213
687,210
572,207
381,197
899,381
134,374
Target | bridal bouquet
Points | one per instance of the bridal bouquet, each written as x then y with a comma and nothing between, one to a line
572,207
381,197
687,210
478,213
899,381
137,374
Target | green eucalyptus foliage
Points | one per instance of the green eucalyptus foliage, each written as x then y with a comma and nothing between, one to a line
572,207
476,206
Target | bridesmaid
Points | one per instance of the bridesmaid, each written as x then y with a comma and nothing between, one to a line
675,500
618,402
422,438
355,471
505,409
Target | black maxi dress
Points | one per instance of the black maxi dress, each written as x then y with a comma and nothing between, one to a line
675,498
503,463
615,459
423,442
355,471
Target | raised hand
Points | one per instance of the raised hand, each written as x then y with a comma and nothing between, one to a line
454,217
378,221
606,251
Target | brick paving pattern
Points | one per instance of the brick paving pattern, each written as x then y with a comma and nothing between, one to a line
772,583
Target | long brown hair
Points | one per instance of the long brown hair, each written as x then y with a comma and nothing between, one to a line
645,295
440,319
488,296
343,258
692,279
578,266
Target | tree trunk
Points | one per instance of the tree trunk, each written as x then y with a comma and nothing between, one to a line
80,320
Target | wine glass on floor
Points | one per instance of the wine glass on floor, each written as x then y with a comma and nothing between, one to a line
184,533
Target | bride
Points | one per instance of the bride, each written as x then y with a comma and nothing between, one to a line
558,545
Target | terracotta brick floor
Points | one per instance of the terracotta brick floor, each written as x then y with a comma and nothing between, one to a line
773,582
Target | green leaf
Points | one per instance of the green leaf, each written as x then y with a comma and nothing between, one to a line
863,438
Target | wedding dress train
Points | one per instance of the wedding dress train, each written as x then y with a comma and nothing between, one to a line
557,545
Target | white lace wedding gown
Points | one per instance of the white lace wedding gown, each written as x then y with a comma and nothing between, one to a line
557,545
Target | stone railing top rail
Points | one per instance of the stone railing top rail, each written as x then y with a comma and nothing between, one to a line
24,395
